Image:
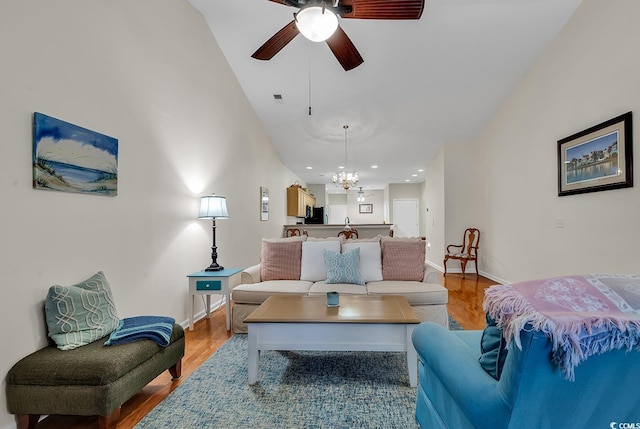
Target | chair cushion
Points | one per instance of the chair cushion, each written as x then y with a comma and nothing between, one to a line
403,258
82,313
257,293
416,293
90,365
493,348
321,288
280,260
343,267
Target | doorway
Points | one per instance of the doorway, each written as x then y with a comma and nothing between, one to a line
406,218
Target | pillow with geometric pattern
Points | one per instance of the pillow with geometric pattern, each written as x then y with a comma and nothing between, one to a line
82,313
343,267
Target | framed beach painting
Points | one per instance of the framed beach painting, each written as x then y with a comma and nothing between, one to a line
597,159
69,158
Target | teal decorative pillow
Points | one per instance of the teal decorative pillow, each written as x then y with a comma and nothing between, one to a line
493,348
80,314
343,267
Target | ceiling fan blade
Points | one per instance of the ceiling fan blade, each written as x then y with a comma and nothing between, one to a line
344,50
383,9
276,42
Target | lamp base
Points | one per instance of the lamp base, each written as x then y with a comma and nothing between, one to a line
215,267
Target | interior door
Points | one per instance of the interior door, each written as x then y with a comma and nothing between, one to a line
406,218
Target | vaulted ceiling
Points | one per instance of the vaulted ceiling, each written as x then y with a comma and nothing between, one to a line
423,82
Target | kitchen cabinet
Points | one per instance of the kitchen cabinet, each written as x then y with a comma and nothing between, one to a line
297,201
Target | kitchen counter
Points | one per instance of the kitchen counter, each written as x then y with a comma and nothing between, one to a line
366,230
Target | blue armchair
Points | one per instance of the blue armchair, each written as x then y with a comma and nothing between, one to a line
455,392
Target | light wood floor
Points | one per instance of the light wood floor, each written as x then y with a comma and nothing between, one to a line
465,305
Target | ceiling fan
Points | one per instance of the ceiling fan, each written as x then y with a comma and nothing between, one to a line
338,41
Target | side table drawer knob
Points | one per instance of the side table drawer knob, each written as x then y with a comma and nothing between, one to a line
208,285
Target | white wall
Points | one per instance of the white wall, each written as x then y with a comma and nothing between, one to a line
434,221
587,75
149,73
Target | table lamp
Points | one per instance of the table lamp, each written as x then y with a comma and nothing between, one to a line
213,207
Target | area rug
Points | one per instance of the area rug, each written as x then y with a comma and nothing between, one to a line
454,325
316,390
311,390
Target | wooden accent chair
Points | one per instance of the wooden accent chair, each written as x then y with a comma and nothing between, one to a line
348,233
295,232
467,251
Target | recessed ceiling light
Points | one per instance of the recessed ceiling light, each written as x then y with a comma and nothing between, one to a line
309,168
421,170
374,166
407,180
341,167
414,175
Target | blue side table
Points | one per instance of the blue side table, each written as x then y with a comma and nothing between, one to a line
208,283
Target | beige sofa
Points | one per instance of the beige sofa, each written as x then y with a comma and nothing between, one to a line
298,265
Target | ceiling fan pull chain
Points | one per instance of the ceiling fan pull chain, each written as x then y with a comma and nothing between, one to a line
309,42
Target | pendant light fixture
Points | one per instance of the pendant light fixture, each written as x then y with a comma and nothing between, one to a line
316,23
344,178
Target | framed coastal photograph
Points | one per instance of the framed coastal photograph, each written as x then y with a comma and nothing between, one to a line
597,159
366,208
69,158
264,203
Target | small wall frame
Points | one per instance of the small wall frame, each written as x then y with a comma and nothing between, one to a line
264,203
366,208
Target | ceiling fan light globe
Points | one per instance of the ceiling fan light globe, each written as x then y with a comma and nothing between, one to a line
316,23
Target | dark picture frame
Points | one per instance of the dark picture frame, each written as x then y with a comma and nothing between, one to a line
599,158
366,208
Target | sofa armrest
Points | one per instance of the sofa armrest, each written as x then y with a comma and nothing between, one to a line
451,359
431,275
250,275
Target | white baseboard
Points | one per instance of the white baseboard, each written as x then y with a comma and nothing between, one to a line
215,304
469,270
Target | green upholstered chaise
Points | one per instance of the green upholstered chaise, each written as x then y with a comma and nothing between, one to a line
90,380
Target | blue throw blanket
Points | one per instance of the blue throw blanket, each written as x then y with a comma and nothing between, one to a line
156,328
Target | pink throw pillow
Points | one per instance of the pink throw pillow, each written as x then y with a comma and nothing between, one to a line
403,259
280,260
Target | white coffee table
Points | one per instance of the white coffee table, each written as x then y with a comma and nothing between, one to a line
360,323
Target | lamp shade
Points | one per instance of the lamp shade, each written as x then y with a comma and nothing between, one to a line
213,207
316,23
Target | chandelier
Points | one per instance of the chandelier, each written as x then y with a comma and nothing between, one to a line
345,179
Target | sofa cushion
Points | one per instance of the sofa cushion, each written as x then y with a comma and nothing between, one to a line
312,267
321,288
343,267
257,293
417,293
280,260
493,348
82,313
403,258
370,258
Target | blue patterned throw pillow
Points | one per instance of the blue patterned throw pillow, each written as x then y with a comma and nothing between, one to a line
80,314
343,267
